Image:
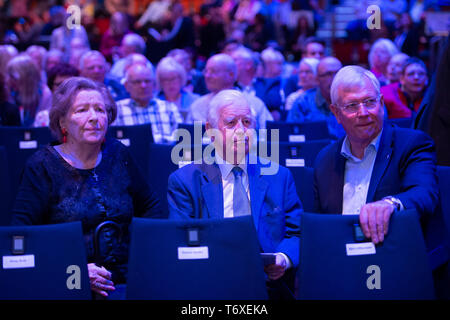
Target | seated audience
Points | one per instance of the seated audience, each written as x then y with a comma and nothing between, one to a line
108,183
377,168
171,78
234,186
220,73
379,56
142,108
403,98
307,79
395,66
112,38
94,66
28,92
314,104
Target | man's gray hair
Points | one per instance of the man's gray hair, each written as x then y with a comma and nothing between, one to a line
222,99
227,62
135,40
135,65
351,76
88,55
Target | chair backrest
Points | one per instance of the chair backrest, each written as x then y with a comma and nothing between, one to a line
444,189
299,132
437,227
304,183
48,263
295,154
399,268
20,144
138,139
5,190
210,259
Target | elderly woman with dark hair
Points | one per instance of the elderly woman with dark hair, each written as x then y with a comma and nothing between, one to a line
86,178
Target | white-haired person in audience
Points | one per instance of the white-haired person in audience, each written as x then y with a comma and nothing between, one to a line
307,79
380,54
93,66
220,74
171,79
395,67
131,43
231,185
142,107
38,54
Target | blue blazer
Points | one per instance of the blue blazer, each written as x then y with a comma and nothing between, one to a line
195,191
405,167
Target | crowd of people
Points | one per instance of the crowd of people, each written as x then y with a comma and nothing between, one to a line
232,65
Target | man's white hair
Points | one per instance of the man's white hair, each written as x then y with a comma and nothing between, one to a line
312,63
351,76
382,43
223,99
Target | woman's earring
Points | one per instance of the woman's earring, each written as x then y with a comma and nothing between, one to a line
64,133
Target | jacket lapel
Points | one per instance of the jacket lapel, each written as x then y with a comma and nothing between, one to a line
337,182
258,188
212,191
382,160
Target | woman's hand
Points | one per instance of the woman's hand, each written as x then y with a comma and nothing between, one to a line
100,279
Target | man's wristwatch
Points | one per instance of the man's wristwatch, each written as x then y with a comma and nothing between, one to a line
393,201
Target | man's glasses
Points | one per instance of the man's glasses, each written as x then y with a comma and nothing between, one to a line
369,104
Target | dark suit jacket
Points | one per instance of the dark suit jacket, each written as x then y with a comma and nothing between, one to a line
195,191
405,167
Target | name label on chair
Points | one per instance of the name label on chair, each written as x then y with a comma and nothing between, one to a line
359,249
297,138
193,253
295,162
125,142
28,144
18,262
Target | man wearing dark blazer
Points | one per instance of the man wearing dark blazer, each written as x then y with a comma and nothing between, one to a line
208,190
376,168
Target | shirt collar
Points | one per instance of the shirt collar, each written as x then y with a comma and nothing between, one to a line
226,167
346,150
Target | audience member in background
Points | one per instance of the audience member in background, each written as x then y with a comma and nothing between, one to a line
38,54
278,86
7,52
131,43
112,38
195,80
56,75
94,66
52,58
380,54
77,49
28,92
220,74
314,104
171,79
108,182
307,79
395,66
9,113
314,48
403,99
142,108
377,168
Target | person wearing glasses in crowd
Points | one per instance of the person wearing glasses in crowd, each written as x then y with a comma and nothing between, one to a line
377,168
313,104
403,98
